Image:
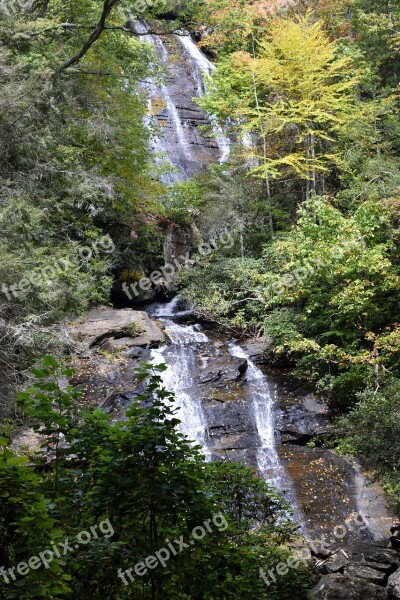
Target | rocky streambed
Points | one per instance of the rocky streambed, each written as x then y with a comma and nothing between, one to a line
219,385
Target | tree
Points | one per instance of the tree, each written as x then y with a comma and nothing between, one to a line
296,94
74,174
26,528
155,488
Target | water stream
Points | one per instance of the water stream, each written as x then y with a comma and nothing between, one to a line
159,92
202,66
261,399
235,420
181,359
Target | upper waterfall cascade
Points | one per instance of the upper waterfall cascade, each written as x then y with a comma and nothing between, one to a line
203,66
173,111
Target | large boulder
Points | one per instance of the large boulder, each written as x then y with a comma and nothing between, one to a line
342,587
335,563
26,441
258,349
109,345
394,584
223,369
116,330
365,572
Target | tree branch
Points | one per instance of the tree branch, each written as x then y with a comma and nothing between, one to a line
94,36
123,28
104,74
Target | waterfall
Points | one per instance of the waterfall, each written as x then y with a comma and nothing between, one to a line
202,66
178,123
262,400
175,308
269,465
180,359
161,91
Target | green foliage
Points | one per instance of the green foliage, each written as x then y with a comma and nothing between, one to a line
52,407
77,197
298,86
324,291
371,429
26,528
318,92
153,485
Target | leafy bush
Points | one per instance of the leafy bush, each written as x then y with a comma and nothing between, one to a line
371,431
153,486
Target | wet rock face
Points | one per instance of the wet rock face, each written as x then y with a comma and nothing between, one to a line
258,349
301,416
195,149
300,424
394,585
178,242
220,381
221,369
342,587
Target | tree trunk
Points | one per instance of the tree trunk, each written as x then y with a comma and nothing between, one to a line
265,145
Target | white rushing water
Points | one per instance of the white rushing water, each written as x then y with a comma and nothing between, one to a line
262,400
202,66
269,465
159,92
180,359
175,308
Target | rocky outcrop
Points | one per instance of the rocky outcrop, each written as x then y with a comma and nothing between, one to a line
116,330
109,345
394,585
26,441
359,572
258,349
178,242
224,369
303,421
178,246
336,562
341,587
220,381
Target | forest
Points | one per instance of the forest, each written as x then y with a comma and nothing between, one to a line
307,92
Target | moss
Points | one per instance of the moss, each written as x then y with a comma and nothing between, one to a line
133,330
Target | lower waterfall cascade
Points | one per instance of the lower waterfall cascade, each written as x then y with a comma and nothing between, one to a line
180,358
